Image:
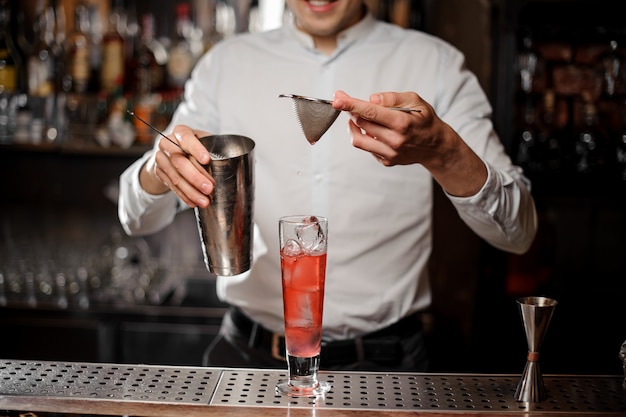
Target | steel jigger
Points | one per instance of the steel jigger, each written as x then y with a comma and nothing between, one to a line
536,314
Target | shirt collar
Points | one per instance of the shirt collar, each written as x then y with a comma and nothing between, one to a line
344,39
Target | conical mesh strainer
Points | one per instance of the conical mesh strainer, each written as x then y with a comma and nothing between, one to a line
315,115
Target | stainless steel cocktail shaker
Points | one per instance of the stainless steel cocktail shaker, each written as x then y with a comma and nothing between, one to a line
225,226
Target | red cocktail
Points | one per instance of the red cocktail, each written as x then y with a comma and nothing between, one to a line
303,267
303,297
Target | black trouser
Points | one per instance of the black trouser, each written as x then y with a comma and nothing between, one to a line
243,343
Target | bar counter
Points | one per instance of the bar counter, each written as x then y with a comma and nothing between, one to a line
164,391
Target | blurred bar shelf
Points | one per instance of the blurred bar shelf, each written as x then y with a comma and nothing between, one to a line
84,148
182,326
163,391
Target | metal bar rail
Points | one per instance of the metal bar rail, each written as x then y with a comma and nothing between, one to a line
148,390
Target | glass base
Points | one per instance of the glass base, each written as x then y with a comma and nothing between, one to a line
302,381
286,388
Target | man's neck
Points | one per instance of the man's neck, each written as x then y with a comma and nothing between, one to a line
326,45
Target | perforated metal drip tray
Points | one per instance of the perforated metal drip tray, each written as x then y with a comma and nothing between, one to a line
33,382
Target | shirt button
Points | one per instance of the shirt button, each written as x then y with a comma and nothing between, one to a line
318,177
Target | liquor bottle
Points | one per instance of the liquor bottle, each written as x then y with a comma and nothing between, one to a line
549,138
10,60
10,63
622,356
41,68
56,19
210,32
181,59
383,9
25,37
590,147
612,69
527,152
131,34
619,149
150,59
149,72
95,32
112,71
77,52
41,63
529,65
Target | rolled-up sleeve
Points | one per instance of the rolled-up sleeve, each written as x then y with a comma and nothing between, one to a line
502,212
139,212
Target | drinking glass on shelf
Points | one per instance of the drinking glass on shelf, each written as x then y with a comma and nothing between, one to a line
303,241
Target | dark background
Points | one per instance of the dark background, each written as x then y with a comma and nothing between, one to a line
62,196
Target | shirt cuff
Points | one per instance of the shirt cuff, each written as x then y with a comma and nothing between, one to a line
144,201
486,199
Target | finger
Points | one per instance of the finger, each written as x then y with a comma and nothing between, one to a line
199,155
380,150
192,201
382,160
190,195
376,120
182,177
408,100
202,169
361,108
379,103
392,134
362,140
187,138
163,177
173,152
183,133
193,177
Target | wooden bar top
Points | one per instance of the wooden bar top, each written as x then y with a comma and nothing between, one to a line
164,391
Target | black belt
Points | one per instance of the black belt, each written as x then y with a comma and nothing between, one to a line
382,346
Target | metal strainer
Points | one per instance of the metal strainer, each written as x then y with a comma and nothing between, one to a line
315,115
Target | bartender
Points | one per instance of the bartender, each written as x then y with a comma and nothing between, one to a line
371,175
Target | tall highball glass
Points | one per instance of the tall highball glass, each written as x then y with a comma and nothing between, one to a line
303,241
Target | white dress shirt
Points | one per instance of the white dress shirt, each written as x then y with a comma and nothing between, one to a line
380,220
